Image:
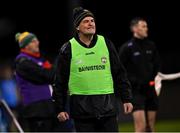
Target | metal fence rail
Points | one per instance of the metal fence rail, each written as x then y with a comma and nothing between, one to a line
4,105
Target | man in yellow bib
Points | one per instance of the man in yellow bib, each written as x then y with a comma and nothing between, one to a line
90,69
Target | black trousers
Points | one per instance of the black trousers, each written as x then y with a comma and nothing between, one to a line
40,124
104,124
51,124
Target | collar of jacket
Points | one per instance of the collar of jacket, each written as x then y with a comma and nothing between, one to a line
30,53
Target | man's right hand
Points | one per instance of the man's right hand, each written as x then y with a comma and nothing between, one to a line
128,107
63,116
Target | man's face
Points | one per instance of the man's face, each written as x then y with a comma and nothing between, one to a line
33,46
141,29
87,26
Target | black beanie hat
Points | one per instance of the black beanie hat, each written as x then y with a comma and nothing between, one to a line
79,14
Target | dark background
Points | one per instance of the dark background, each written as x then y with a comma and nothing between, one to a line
52,23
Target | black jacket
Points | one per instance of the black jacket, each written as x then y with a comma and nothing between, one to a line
95,105
32,72
141,60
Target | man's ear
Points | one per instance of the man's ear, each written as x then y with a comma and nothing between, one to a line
133,29
77,28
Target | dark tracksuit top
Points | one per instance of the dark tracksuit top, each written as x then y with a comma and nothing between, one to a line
141,60
90,106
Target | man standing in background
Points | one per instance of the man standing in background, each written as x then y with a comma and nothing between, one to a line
34,74
141,60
